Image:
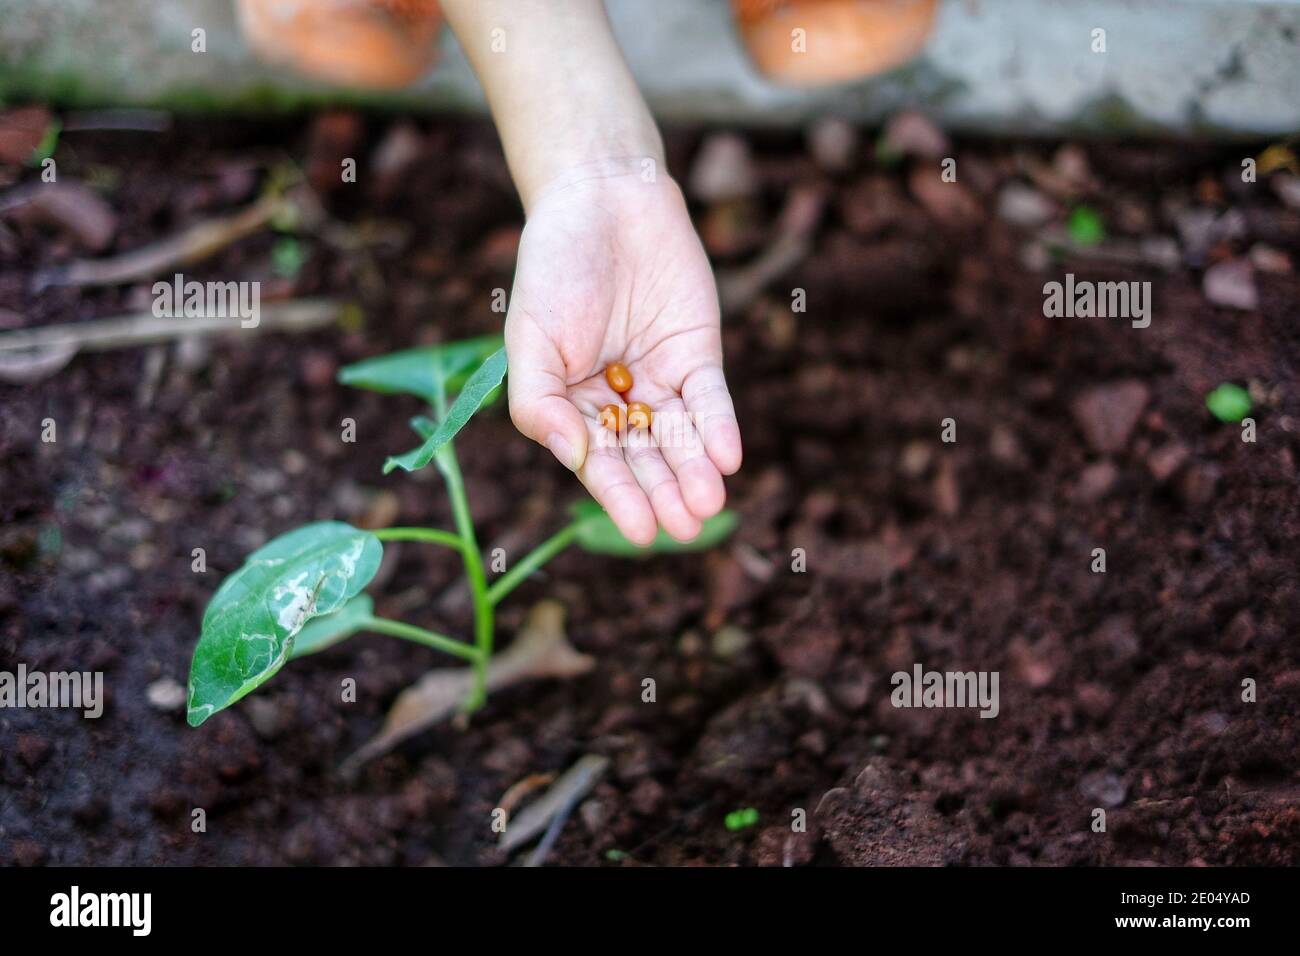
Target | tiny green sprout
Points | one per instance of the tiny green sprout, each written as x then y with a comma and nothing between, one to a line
1085,226
1229,402
304,590
615,856
287,257
741,819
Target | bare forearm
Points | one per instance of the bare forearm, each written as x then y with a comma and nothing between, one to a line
560,92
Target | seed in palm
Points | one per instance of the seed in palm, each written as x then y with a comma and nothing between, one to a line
619,378
639,415
612,417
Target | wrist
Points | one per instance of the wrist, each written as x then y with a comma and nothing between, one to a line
560,91
589,147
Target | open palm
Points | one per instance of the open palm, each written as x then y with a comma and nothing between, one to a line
610,270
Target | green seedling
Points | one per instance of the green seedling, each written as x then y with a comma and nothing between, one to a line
1229,402
287,257
741,819
1085,227
303,591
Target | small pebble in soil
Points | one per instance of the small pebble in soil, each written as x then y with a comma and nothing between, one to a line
1267,259
833,143
165,694
915,458
1104,787
1231,284
1165,461
1095,481
1107,414
1024,206
729,641
723,170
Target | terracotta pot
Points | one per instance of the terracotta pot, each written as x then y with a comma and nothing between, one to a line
812,42
380,44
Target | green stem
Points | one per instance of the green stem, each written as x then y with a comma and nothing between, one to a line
431,535
483,617
531,562
439,642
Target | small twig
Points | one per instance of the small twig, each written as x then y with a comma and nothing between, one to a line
148,262
738,287
30,355
574,784
144,328
543,849
522,788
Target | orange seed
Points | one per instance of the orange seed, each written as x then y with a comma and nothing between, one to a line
639,415
619,378
611,416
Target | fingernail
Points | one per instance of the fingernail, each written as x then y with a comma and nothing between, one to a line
561,449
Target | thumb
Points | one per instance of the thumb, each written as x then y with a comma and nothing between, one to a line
539,402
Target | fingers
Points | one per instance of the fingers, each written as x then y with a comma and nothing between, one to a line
684,452
660,486
539,397
709,403
607,475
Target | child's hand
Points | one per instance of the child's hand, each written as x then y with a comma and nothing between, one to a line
610,269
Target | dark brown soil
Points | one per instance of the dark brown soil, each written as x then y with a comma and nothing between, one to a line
1120,690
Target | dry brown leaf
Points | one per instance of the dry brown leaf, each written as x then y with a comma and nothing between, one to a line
540,651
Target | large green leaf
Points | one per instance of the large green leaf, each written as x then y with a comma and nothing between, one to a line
434,373
329,630
598,534
250,624
485,380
